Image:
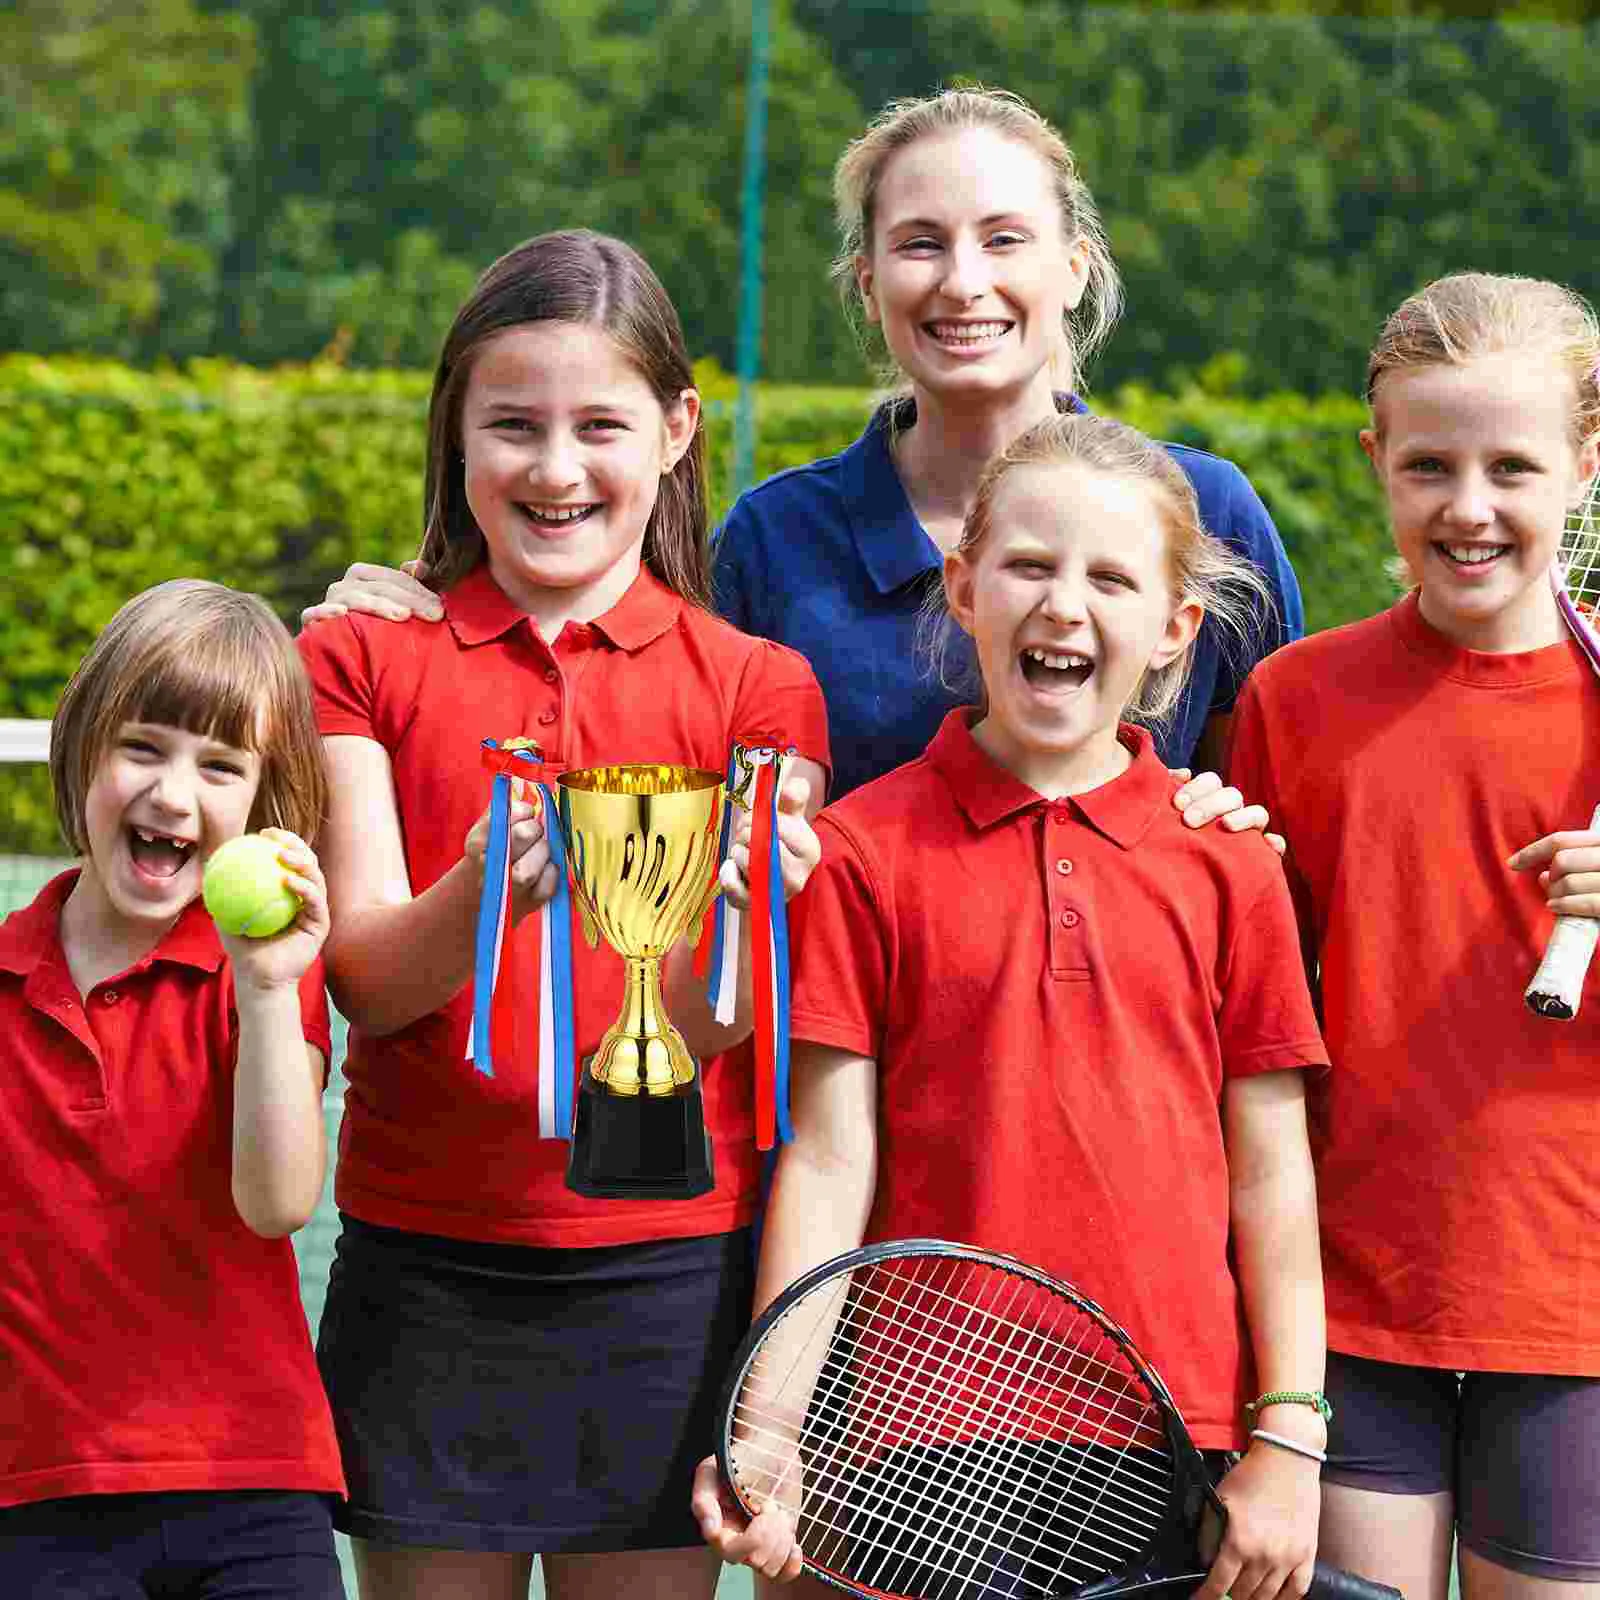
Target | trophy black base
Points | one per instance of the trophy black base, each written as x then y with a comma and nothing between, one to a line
639,1147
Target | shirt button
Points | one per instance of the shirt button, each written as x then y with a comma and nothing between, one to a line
547,717
1060,814
110,997
551,675
1063,866
1069,919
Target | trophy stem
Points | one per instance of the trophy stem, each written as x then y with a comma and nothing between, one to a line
641,1052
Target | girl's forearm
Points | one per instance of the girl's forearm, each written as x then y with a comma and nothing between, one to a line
279,1141
389,965
818,1209
1278,1257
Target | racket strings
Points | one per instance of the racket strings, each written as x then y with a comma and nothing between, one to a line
1091,1380
884,1403
995,1486
962,1427
996,1489
1580,553
877,1400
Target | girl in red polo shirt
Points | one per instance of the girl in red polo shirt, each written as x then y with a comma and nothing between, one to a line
162,1429
1432,768
515,1368
1033,1011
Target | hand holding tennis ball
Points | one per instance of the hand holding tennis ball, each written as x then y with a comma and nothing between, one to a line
244,888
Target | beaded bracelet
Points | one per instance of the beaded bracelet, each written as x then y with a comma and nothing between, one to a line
1285,1443
1314,1398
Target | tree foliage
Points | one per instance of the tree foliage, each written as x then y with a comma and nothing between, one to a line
274,182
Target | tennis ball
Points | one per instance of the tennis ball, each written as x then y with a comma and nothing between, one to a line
244,889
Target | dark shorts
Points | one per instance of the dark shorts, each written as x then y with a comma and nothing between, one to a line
202,1545
507,1398
1520,1453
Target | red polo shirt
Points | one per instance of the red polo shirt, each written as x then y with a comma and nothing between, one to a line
148,1339
1054,993
429,1144
1458,1139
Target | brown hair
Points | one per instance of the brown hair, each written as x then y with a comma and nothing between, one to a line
902,123
1200,568
1470,314
582,277
198,656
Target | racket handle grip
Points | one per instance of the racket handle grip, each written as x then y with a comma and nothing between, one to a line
1557,987
1334,1583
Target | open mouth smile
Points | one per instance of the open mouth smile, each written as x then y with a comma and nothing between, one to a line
1055,670
158,854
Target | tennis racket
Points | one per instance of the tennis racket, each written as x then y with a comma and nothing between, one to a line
947,1422
1557,987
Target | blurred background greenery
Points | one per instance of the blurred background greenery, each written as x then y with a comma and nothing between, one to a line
232,233
271,181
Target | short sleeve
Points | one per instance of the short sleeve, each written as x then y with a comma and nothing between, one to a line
780,702
1252,769
341,675
1266,1021
315,1024
1248,527
840,975
1248,764
732,583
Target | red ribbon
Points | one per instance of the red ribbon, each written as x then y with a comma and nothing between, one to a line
760,877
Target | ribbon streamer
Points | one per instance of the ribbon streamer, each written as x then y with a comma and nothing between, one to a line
755,775
499,1010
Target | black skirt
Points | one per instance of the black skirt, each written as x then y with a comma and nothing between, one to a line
510,1398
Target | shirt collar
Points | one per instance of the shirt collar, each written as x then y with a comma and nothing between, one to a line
1123,809
478,610
894,547
28,935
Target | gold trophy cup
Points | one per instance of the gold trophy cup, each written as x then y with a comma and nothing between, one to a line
642,843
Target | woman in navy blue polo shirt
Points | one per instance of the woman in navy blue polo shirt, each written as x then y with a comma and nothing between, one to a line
973,246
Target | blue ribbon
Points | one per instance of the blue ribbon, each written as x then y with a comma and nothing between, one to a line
558,928
491,907
780,982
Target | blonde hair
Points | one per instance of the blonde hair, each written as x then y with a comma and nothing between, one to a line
902,123
1470,314
1200,568
198,656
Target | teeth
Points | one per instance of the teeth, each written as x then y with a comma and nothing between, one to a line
158,838
1474,555
1061,662
557,513
968,332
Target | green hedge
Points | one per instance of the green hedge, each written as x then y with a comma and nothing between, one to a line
112,479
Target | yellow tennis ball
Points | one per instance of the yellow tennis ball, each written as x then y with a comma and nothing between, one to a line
244,889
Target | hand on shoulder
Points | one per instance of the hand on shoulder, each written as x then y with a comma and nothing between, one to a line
393,593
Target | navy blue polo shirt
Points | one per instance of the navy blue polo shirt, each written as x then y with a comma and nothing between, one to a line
830,559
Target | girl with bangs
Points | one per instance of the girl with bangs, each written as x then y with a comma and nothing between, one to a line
162,1427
